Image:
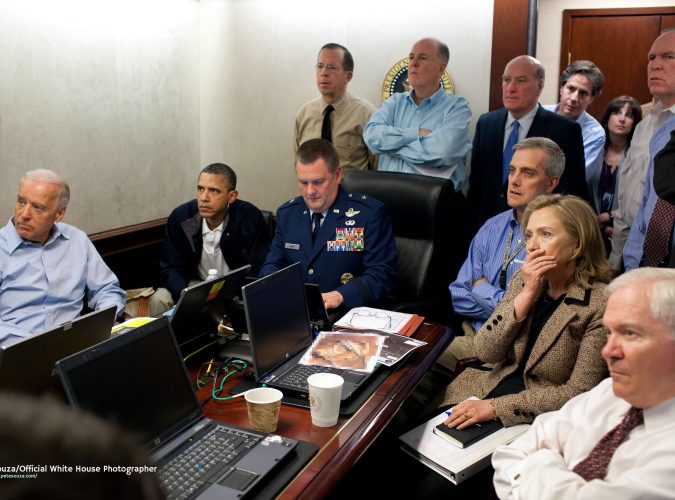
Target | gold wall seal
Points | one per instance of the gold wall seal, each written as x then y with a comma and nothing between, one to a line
397,80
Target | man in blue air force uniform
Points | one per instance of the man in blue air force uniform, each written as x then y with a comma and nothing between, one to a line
343,240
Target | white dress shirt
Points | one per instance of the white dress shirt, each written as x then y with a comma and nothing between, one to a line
538,464
212,256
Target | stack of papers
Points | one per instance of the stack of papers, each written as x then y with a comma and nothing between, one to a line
454,463
353,351
368,318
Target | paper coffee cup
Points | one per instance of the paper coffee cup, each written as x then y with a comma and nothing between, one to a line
325,390
263,406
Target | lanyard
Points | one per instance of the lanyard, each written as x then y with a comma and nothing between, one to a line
507,260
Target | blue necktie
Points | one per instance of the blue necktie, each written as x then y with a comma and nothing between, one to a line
508,150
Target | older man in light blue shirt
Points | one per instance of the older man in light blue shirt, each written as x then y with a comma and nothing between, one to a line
424,131
48,268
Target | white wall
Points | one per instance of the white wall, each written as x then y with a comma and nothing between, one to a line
129,98
549,33
257,59
106,94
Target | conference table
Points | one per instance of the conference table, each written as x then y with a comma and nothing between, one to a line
341,446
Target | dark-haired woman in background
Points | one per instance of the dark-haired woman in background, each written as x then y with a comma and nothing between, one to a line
619,120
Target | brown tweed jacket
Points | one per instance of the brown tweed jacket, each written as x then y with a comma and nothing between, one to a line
565,360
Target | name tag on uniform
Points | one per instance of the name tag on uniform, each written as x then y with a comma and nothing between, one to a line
347,239
292,246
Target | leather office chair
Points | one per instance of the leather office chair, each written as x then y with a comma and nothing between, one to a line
270,221
431,227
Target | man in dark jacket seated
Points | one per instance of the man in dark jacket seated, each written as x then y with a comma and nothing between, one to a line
214,231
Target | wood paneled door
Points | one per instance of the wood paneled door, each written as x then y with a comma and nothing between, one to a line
617,40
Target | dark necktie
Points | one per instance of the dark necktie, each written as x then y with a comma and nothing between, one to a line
508,150
325,128
316,223
594,466
657,240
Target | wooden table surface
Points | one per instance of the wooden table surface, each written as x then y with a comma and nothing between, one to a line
342,444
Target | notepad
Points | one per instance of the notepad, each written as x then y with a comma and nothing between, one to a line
469,435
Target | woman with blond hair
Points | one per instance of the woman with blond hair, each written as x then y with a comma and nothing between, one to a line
543,340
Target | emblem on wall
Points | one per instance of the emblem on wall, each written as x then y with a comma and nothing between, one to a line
397,80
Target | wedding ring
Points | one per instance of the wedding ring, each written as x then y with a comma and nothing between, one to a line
467,416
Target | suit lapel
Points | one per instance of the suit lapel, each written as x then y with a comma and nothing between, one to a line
497,138
576,297
304,224
539,127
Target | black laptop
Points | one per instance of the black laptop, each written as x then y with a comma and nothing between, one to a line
201,307
27,366
280,332
139,380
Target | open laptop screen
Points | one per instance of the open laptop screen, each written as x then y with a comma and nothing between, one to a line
136,379
201,307
277,318
28,365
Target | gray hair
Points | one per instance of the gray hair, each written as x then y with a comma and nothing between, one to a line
443,50
44,175
661,292
347,59
539,71
589,70
555,161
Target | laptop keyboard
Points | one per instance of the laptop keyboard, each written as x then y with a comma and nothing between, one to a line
208,457
297,377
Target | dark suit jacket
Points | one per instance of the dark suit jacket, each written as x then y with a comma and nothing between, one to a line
664,178
373,269
486,189
565,360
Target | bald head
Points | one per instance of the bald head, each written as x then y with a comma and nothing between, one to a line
661,68
522,83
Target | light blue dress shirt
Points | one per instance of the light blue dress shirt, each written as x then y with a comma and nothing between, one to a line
44,286
393,133
632,251
486,255
593,135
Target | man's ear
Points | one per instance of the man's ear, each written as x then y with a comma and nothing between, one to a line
233,196
59,214
339,173
552,184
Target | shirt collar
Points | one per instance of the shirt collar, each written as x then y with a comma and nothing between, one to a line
14,240
431,99
219,228
660,415
335,104
524,120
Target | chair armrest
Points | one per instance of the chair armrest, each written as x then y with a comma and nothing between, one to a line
464,363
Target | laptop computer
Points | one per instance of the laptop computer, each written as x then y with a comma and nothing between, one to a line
201,307
317,310
139,380
280,332
27,366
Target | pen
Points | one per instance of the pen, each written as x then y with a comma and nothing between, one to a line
518,261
